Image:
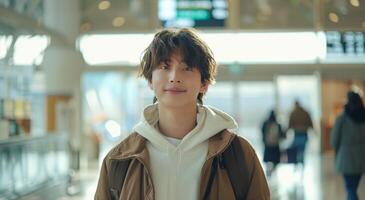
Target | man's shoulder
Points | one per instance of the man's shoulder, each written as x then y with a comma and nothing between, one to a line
130,145
247,154
245,144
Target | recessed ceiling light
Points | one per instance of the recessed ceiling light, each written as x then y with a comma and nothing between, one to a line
355,3
103,5
118,21
333,17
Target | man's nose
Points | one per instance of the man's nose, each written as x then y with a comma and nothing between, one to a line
175,76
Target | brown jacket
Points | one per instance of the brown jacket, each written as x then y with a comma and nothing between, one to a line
300,119
138,183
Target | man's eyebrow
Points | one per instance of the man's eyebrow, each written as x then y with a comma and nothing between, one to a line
166,60
162,62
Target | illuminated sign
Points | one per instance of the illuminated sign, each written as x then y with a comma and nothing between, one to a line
345,47
192,13
345,44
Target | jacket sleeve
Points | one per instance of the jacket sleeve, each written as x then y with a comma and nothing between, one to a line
309,120
102,191
336,133
258,187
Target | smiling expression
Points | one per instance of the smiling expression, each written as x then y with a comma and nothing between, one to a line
175,83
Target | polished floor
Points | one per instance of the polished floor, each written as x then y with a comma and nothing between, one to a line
317,180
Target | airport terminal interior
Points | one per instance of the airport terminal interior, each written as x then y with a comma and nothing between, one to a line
70,91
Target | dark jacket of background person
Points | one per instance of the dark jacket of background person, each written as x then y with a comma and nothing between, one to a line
272,151
299,119
348,138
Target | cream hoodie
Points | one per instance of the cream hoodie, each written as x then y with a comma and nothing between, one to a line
176,165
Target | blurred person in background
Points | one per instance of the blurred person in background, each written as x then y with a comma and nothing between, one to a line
300,122
272,133
177,150
348,140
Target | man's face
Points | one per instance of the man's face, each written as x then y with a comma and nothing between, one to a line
175,83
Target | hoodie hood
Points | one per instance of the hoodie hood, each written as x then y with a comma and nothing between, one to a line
210,121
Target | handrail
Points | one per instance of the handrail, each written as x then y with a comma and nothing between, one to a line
29,163
26,139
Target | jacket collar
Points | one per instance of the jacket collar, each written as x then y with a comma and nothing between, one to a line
134,146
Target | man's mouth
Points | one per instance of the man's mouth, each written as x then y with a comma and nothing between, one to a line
175,90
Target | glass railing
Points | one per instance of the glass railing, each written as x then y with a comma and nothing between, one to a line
30,163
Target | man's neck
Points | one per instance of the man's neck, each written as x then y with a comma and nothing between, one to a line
177,122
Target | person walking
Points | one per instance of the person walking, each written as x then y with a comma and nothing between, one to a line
348,140
272,133
300,121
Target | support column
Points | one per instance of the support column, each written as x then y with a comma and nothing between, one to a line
62,66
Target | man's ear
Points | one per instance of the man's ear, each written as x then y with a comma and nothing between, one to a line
204,87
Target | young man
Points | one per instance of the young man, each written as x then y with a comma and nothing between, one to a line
174,150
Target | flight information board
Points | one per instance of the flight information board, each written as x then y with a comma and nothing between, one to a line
193,13
345,44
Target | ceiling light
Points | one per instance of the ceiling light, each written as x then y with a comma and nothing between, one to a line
228,47
333,17
103,5
118,21
355,3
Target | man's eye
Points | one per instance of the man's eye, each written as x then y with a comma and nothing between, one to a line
164,67
189,69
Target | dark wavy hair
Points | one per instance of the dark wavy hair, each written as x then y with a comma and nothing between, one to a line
194,51
355,107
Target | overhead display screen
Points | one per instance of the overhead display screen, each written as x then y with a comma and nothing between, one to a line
345,44
193,13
